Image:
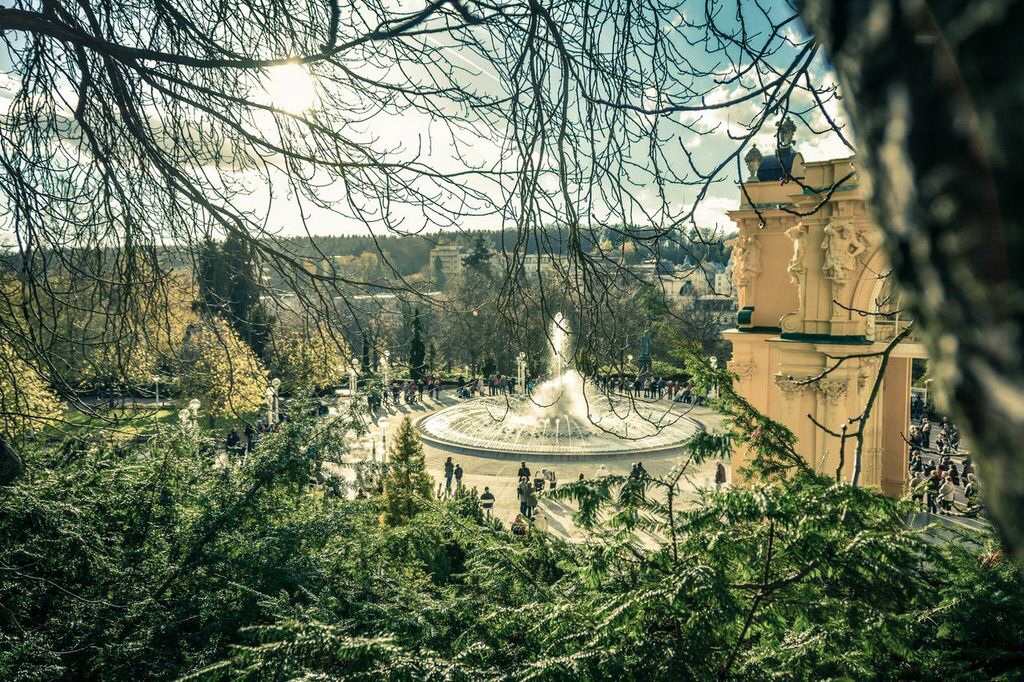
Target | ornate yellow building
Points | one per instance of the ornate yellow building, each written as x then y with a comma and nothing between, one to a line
811,281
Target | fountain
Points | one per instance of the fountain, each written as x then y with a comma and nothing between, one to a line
564,418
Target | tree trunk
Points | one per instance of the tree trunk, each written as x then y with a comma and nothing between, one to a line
934,94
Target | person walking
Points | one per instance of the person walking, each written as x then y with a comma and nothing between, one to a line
458,476
449,471
487,501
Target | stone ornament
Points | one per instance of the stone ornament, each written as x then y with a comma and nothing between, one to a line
789,386
868,369
753,160
843,245
832,390
744,370
746,256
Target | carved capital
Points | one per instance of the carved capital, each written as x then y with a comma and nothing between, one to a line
832,390
789,386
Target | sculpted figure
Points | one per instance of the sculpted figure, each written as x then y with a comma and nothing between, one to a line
842,248
746,259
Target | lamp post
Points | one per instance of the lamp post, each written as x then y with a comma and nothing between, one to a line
383,424
273,406
156,381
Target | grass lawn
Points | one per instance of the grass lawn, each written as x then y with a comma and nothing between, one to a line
130,422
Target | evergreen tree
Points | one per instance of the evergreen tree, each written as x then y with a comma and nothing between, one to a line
431,357
407,484
438,271
229,286
417,351
365,359
480,257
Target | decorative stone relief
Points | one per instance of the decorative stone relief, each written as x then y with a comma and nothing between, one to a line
746,256
744,370
832,390
866,373
788,386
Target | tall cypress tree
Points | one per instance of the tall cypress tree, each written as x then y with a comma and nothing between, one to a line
417,350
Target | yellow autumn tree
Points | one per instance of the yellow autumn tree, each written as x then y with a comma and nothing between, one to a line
308,359
26,402
220,370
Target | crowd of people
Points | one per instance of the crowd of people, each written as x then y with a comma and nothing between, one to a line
935,476
649,387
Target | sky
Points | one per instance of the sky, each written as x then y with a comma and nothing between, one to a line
414,133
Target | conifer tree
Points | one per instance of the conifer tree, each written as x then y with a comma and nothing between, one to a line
417,350
407,485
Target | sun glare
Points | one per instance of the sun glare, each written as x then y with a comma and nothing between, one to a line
290,88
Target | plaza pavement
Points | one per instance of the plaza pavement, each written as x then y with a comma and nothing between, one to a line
500,474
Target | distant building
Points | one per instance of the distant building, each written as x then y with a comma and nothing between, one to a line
450,256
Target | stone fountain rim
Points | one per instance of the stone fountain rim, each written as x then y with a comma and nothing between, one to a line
519,454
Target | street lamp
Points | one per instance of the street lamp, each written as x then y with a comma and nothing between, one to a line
193,407
156,381
273,408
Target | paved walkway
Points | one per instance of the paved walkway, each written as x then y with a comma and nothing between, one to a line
500,475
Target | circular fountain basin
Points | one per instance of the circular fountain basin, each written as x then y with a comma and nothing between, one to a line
515,427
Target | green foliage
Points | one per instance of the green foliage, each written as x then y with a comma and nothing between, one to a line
26,402
479,257
229,286
407,487
151,562
215,366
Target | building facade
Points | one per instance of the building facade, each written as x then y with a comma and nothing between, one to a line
812,287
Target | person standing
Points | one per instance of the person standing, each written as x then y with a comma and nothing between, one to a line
523,491
720,477
947,494
250,439
458,476
524,471
233,443
449,471
487,501
934,483
531,503
917,489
